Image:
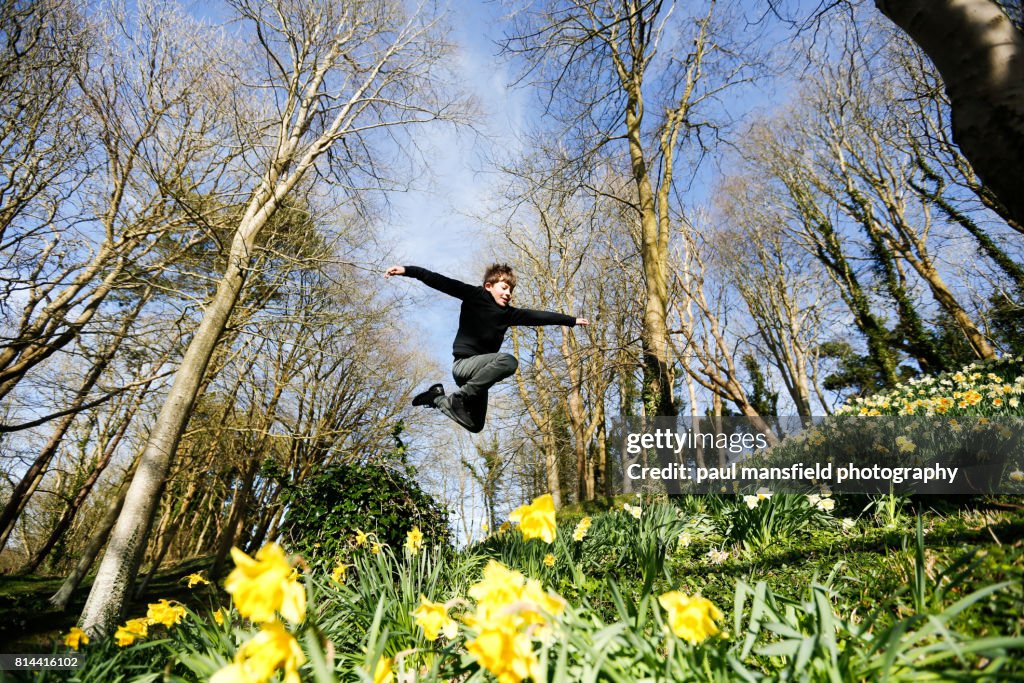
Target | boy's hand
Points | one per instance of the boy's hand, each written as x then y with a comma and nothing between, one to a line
582,321
394,270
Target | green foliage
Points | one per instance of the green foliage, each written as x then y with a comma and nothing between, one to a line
325,509
1007,323
761,397
829,603
390,584
803,596
758,522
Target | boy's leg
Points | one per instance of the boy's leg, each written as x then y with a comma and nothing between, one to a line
475,375
470,413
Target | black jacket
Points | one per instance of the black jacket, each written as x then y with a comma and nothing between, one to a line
482,322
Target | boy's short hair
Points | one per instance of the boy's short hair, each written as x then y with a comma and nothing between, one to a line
500,272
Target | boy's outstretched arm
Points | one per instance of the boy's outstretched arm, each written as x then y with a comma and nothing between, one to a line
527,316
459,290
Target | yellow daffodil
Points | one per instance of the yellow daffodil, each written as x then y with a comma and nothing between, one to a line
166,613
376,547
540,603
580,532
500,586
265,585
414,540
340,572
76,638
433,618
382,672
549,560
361,538
511,611
123,637
690,618
905,445
537,520
220,615
195,579
504,651
258,659
132,630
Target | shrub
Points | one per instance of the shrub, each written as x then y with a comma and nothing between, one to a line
323,511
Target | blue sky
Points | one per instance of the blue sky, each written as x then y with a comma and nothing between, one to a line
432,225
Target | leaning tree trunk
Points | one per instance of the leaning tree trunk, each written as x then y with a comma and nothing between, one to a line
980,55
63,595
120,565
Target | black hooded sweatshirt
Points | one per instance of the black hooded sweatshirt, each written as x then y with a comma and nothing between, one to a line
482,321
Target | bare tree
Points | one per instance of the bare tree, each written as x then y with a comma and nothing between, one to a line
615,54
979,52
336,73
705,329
147,132
782,286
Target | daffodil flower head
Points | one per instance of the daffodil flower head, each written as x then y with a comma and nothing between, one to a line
166,612
382,671
537,520
195,579
690,618
132,630
340,572
433,618
500,585
580,532
505,651
265,585
75,638
258,659
414,540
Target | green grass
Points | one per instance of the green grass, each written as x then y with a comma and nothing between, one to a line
28,623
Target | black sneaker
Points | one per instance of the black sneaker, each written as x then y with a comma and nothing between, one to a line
461,414
428,397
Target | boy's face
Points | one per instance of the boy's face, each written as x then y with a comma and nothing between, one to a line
501,292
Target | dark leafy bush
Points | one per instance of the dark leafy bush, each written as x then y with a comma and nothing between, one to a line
325,510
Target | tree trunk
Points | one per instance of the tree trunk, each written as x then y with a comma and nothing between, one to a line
120,565
543,423
239,506
61,598
980,56
73,506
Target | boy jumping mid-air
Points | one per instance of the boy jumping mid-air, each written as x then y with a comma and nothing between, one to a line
485,317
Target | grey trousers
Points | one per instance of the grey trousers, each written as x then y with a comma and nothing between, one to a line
474,376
